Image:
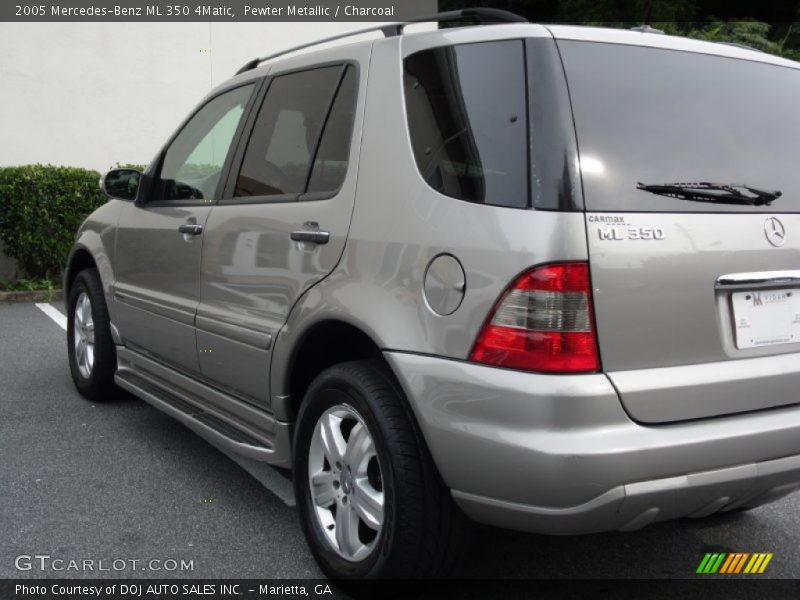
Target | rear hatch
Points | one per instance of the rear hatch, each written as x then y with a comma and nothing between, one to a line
696,287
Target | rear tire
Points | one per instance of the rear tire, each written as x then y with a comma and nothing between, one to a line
354,414
92,355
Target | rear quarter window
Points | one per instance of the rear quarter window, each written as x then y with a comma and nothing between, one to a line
467,117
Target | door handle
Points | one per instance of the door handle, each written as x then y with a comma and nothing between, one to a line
314,237
190,229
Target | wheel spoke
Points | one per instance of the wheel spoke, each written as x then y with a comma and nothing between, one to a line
322,489
332,440
359,449
347,530
368,504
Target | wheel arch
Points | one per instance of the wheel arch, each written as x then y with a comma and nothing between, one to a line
324,343
89,252
79,259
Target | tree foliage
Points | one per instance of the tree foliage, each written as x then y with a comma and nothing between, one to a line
41,208
770,27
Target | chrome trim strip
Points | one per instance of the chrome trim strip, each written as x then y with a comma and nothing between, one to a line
757,280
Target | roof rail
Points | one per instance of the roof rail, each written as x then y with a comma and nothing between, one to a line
481,15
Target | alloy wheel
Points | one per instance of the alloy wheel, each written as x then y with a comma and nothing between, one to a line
83,335
346,482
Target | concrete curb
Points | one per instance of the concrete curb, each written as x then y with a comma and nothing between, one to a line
33,296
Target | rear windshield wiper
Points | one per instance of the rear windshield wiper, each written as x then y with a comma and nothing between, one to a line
713,192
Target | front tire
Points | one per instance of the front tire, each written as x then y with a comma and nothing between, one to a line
92,355
371,501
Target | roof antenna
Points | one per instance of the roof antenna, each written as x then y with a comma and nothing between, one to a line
644,27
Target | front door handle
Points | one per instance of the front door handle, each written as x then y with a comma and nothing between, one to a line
190,229
315,237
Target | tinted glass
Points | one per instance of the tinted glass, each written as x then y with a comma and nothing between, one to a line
467,120
285,135
662,116
193,162
330,162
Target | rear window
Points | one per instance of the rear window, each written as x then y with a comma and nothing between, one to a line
466,108
663,116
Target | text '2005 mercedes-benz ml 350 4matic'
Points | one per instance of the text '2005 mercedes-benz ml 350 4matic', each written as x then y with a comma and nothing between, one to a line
546,278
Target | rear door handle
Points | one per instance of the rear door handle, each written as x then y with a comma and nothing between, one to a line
190,229
314,237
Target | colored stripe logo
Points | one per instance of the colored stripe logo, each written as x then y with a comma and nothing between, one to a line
734,563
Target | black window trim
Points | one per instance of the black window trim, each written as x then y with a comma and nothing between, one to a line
149,201
228,198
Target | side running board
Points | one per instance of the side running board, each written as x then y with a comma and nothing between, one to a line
217,431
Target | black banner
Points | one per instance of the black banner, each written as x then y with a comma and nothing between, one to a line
215,10
250,589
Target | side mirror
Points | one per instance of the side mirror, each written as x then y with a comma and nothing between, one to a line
121,183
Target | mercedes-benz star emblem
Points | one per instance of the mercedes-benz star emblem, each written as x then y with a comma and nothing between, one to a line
775,231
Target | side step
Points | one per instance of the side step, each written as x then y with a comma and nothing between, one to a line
217,431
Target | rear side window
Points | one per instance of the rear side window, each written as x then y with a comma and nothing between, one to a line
467,118
302,128
663,116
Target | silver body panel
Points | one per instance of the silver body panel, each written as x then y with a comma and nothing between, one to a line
557,454
245,302
652,436
665,326
157,286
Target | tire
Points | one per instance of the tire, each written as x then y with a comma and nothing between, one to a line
94,379
420,527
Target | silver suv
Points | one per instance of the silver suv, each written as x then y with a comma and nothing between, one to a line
544,277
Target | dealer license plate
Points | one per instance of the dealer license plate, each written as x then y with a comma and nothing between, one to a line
766,317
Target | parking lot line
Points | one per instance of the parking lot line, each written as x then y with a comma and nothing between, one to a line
266,476
54,314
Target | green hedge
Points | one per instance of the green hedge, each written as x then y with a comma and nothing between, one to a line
41,208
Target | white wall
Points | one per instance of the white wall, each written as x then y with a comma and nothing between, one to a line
94,94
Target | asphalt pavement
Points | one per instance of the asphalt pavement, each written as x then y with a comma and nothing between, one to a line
120,481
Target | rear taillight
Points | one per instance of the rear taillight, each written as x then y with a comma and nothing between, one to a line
543,322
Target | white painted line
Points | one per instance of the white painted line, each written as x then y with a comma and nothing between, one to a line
54,314
266,476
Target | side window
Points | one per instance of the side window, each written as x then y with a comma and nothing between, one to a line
193,162
303,123
467,118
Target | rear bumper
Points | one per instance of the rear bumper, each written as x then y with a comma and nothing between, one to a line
633,505
558,454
